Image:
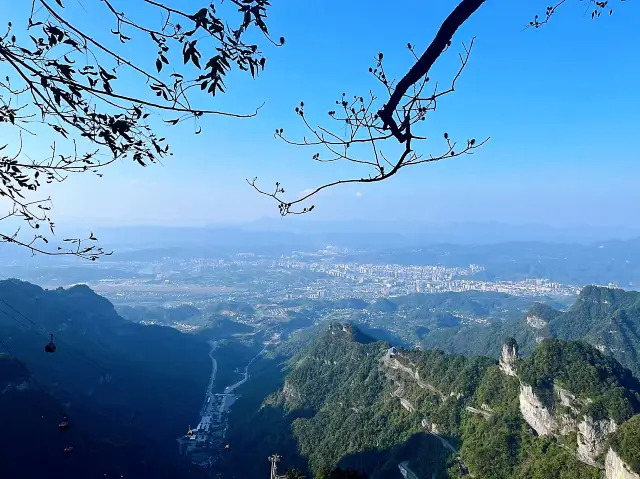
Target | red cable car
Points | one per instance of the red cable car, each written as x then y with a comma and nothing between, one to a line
64,425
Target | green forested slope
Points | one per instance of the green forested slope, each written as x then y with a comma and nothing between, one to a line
608,318
444,414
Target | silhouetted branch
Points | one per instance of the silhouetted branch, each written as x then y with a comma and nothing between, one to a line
397,120
598,8
65,80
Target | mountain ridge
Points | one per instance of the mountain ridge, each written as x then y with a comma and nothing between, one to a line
365,395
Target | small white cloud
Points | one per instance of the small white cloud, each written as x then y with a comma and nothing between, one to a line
305,192
358,194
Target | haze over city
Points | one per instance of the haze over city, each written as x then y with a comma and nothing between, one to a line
248,239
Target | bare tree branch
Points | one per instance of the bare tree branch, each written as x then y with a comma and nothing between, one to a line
598,8
62,80
409,102
368,125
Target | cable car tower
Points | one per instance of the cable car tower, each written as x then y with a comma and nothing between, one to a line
274,459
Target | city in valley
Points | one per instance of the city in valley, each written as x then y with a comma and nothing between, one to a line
261,300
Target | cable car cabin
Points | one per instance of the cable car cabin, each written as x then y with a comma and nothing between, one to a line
227,447
68,449
51,347
64,424
189,432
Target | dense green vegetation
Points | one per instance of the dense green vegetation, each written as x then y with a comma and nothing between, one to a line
626,442
326,399
441,320
219,327
233,306
342,405
213,323
258,431
587,373
605,317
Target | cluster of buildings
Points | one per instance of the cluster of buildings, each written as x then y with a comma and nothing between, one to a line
320,275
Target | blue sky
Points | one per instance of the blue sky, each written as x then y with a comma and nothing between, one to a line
559,103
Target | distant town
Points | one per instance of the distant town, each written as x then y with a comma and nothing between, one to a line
322,274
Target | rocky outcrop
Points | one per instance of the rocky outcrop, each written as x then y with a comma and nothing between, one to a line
485,414
536,414
566,398
508,358
535,321
615,468
562,417
393,362
407,405
289,393
592,437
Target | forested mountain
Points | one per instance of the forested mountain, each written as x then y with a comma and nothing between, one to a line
607,318
332,397
134,387
353,402
432,319
210,319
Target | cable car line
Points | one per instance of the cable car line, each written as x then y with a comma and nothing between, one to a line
41,331
48,334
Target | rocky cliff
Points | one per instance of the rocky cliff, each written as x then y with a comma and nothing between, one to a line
509,357
615,468
560,415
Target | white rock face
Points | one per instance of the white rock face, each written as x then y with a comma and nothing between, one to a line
407,405
290,393
566,398
614,468
592,436
535,413
535,322
393,363
508,359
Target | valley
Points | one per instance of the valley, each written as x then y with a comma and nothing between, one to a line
429,269
204,444
250,371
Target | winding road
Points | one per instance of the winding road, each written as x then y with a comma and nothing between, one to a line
214,372
230,389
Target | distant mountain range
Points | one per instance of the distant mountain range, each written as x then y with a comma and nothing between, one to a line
388,234
304,233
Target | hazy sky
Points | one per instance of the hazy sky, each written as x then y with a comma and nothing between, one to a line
560,104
